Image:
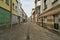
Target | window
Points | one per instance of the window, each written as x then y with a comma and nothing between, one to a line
7,1
38,10
56,25
54,1
13,6
45,6
16,8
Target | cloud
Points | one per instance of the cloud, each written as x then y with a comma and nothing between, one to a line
27,5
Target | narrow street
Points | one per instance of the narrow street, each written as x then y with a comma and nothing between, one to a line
29,19
27,29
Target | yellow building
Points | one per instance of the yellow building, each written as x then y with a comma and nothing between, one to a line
8,12
15,17
5,12
5,4
14,7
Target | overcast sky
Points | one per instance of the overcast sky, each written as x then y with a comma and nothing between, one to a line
27,5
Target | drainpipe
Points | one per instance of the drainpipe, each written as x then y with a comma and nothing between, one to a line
11,13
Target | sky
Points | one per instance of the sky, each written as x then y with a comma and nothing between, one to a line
27,6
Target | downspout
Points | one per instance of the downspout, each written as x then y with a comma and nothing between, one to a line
11,13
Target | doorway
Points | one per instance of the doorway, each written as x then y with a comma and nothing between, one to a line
56,21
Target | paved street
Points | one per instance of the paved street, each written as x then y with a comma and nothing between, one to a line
27,31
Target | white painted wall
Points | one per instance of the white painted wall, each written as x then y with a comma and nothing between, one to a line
42,6
18,8
38,3
49,4
14,19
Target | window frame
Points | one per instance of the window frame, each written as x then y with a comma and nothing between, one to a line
45,5
56,23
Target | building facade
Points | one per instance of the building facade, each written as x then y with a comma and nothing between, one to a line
18,9
33,17
8,12
5,16
23,16
14,12
50,14
37,9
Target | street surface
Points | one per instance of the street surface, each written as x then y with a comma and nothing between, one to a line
27,31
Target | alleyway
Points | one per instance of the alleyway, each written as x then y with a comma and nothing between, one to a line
32,30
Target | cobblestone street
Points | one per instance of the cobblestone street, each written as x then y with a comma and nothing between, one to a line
27,29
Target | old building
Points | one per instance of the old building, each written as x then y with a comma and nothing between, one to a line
50,14
37,9
8,12
14,12
23,16
18,10
33,17
5,16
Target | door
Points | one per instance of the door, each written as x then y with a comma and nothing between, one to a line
56,25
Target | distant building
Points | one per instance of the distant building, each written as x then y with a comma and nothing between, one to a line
23,16
36,13
33,17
